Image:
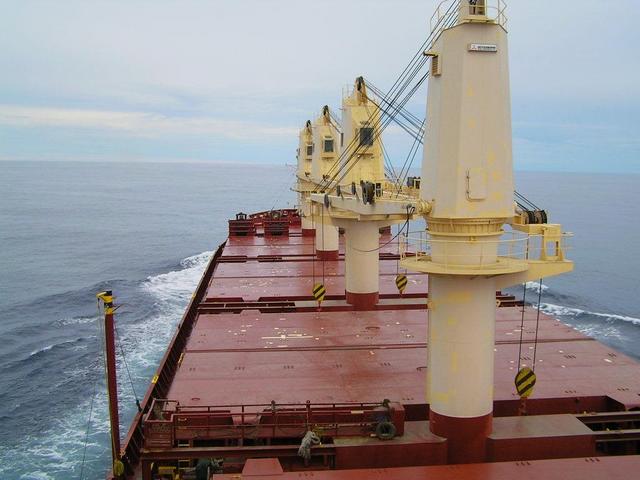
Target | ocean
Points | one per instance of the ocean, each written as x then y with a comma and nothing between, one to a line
147,230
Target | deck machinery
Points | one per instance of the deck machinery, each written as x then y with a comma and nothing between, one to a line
265,379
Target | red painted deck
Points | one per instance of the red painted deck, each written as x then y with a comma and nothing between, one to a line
292,353
619,468
369,356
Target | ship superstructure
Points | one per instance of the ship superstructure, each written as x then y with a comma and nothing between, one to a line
321,343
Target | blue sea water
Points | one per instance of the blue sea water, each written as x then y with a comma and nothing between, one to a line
145,230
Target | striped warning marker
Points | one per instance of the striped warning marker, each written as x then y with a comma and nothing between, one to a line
401,283
525,380
319,292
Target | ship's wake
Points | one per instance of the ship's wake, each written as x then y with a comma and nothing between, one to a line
556,310
559,310
54,448
151,308
618,331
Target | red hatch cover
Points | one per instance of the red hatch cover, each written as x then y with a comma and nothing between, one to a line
259,467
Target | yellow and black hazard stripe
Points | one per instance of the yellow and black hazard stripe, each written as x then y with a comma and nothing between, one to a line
107,299
319,292
401,283
525,381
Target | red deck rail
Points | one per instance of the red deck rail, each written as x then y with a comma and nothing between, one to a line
167,422
268,223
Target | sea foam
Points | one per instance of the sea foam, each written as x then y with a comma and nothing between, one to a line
562,311
143,341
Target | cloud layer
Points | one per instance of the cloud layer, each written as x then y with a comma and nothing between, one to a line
210,80
140,124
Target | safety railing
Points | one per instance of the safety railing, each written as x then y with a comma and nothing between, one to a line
475,252
484,10
168,422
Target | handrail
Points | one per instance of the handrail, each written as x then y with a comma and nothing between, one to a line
482,253
167,421
485,10
265,406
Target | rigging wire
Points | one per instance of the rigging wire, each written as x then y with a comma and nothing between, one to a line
385,118
324,254
387,161
335,121
378,132
524,304
405,78
412,133
401,83
93,397
378,127
528,203
313,245
283,189
409,116
414,128
522,202
403,172
126,366
535,342
88,429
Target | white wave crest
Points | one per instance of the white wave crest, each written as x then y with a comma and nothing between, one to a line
536,286
63,322
600,331
42,350
172,291
56,453
173,286
59,344
559,310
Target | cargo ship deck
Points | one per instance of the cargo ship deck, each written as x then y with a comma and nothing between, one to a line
255,364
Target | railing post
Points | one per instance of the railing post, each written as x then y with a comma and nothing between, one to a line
242,424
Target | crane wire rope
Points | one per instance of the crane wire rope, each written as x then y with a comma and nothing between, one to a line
403,81
90,416
406,114
324,254
400,84
394,117
535,341
93,397
413,129
522,202
313,244
403,172
377,132
387,161
282,189
356,141
126,366
524,304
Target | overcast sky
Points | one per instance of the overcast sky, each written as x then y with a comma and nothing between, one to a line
235,80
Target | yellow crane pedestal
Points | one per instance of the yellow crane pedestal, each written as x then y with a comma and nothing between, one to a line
467,179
